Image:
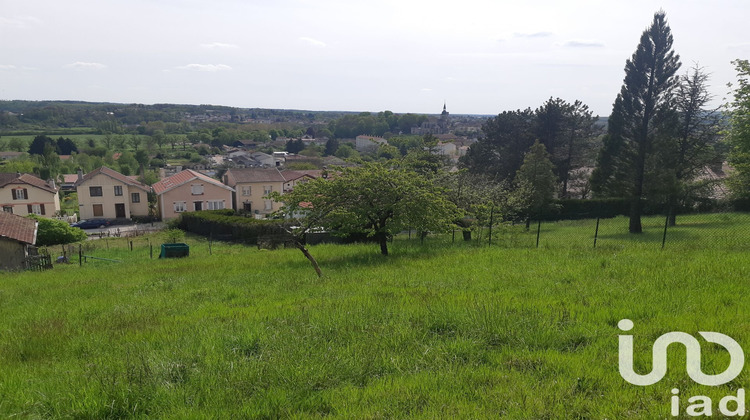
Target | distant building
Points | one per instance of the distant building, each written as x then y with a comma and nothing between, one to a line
365,144
25,194
439,125
190,191
106,193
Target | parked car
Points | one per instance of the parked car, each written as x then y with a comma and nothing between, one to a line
92,223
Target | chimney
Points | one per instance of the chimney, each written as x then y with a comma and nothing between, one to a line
51,182
80,175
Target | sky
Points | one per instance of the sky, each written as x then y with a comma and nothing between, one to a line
476,56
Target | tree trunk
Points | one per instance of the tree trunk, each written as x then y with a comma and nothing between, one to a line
635,215
309,256
383,240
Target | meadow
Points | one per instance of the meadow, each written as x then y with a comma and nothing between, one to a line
435,330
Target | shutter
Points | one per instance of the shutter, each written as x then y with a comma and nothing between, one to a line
14,194
25,194
42,206
29,209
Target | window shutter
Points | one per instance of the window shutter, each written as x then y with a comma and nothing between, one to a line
25,194
14,194
42,206
29,209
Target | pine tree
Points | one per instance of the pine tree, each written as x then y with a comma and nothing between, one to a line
636,131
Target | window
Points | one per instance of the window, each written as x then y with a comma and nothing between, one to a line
135,197
216,204
95,191
267,189
179,206
246,190
8,209
118,190
98,209
20,194
37,209
269,205
197,189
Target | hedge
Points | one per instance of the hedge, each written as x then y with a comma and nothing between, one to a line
225,224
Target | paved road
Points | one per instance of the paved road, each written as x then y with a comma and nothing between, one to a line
120,230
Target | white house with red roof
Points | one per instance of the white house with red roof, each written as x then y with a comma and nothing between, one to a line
106,193
191,190
25,194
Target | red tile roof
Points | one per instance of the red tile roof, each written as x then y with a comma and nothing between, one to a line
114,175
255,175
21,229
182,178
25,179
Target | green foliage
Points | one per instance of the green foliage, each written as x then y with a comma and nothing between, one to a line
374,200
53,232
536,181
641,124
739,133
226,224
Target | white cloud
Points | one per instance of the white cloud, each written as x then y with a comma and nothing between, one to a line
7,67
533,35
81,65
205,67
219,45
577,43
313,42
19,22
425,90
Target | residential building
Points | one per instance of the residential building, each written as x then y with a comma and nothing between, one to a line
25,194
368,143
252,186
106,193
17,234
190,190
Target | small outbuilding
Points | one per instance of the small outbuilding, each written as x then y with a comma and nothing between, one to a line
17,235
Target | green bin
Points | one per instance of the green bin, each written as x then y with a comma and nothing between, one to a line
174,250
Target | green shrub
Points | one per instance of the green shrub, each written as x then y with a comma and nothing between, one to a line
53,232
225,223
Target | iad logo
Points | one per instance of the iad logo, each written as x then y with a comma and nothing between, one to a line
701,405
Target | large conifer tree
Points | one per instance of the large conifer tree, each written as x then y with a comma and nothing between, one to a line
636,126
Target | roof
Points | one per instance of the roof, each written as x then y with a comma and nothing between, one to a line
70,178
21,229
291,175
114,175
25,179
183,177
244,175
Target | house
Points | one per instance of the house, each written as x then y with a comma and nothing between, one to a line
68,182
368,143
190,190
252,185
17,234
25,194
109,194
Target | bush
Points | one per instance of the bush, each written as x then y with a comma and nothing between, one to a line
53,232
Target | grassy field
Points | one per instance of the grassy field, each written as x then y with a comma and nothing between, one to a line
436,330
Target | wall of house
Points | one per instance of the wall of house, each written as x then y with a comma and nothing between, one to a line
36,195
184,194
108,198
12,254
256,196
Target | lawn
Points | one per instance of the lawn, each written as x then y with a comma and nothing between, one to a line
435,330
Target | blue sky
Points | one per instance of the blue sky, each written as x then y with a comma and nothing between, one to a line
481,57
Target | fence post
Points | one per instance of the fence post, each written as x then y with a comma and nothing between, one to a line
131,245
596,232
80,255
664,237
151,250
538,230
492,214
210,241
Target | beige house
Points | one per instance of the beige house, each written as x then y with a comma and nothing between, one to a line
190,190
253,185
106,193
25,194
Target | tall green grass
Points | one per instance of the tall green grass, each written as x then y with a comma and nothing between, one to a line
436,330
